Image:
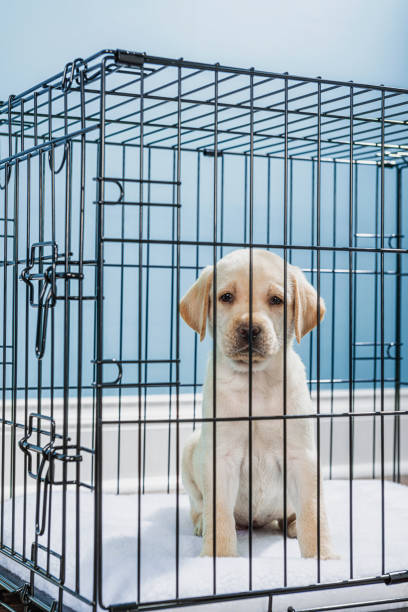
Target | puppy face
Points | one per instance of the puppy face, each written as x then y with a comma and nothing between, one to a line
235,334
261,332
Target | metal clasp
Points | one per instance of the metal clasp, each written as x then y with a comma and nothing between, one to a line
47,278
45,472
72,71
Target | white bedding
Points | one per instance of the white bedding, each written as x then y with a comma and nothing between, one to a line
195,576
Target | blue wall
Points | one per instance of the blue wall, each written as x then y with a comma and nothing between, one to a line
363,40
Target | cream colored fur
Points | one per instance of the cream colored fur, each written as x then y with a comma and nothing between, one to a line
232,401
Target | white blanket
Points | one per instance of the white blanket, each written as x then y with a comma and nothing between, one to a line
158,545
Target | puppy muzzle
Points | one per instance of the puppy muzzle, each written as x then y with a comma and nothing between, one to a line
247,343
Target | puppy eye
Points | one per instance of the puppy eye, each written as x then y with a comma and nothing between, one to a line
275,300
227,297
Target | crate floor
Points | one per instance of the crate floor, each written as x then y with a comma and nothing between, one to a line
158,550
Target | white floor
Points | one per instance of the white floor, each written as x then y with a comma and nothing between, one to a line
158,546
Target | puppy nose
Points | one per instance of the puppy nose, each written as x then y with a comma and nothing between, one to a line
243,331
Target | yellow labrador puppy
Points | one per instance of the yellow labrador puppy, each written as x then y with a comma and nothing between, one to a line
232,374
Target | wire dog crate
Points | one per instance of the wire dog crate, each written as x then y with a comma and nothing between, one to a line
121,178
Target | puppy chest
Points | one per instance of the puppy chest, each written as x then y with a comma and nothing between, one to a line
266,485
266,454
234,400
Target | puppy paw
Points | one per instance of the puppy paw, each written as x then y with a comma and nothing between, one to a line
198,526
291,526
292,531
223,553
223,549
197,518
326,554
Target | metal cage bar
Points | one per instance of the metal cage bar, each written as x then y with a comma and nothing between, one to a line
192,161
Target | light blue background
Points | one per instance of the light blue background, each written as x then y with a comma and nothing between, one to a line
363,40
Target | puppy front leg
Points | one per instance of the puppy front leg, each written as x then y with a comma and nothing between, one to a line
227,483
302,481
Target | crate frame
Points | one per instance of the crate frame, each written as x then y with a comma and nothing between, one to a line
22,117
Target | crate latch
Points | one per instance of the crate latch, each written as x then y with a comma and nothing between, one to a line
72,71
48,455
46,276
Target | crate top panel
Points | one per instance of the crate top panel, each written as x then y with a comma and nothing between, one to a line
136,100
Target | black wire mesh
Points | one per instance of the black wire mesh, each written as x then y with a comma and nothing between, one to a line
122,178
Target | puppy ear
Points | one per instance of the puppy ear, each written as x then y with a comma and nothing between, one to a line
305,304
194,305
